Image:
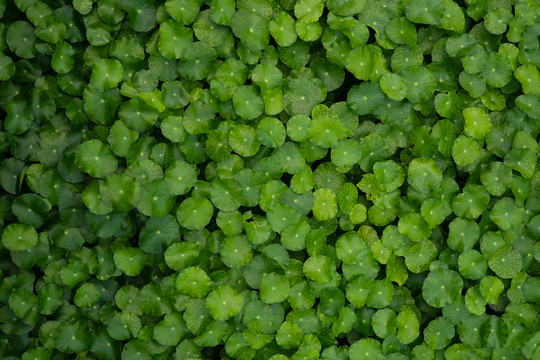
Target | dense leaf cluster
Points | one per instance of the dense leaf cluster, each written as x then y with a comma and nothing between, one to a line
269,179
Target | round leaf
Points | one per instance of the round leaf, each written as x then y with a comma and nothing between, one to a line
442,287
224,302
19,237
96,159
194,282
506,262
274,288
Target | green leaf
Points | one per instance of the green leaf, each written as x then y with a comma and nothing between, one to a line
282,216
224,302
251,29
425,11
194,213
366,62
289,335
98,36
174,95
183,11
475,84
506,215
144,171
475,60
529,77
325,206
7,67
442,287
274,288
258,317
158,233
190,68
381,294
18,117
271,132
222,11
465,150
419,82
424,175
236,251
477,123
153,98
127,299
24,303
463,234
173,39
408,326
497,20
124,326
106,73
490,288
170,330
350,248
83,7
121,138
308,11
454,18
414,227
472,202
474,302
331,74
301,95
20,39
31,209
19,237
438,333
393,86
180,255
522,160
396,270
365,98
420,255
225,194
326,131
308,31
73,337
50,299
384,323
282,29
193,281
74,273
243,140
121,192
496,178
154,300
364,349
130,260
180,178
319,269
493,99
87,295
435,211
141,13
137,116
96,159
472,264
401,31
506,262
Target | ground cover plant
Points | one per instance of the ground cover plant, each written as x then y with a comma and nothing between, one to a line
269,179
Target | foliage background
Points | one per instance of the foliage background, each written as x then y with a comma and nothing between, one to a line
260,179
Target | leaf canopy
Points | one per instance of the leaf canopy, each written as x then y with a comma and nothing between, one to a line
252,179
